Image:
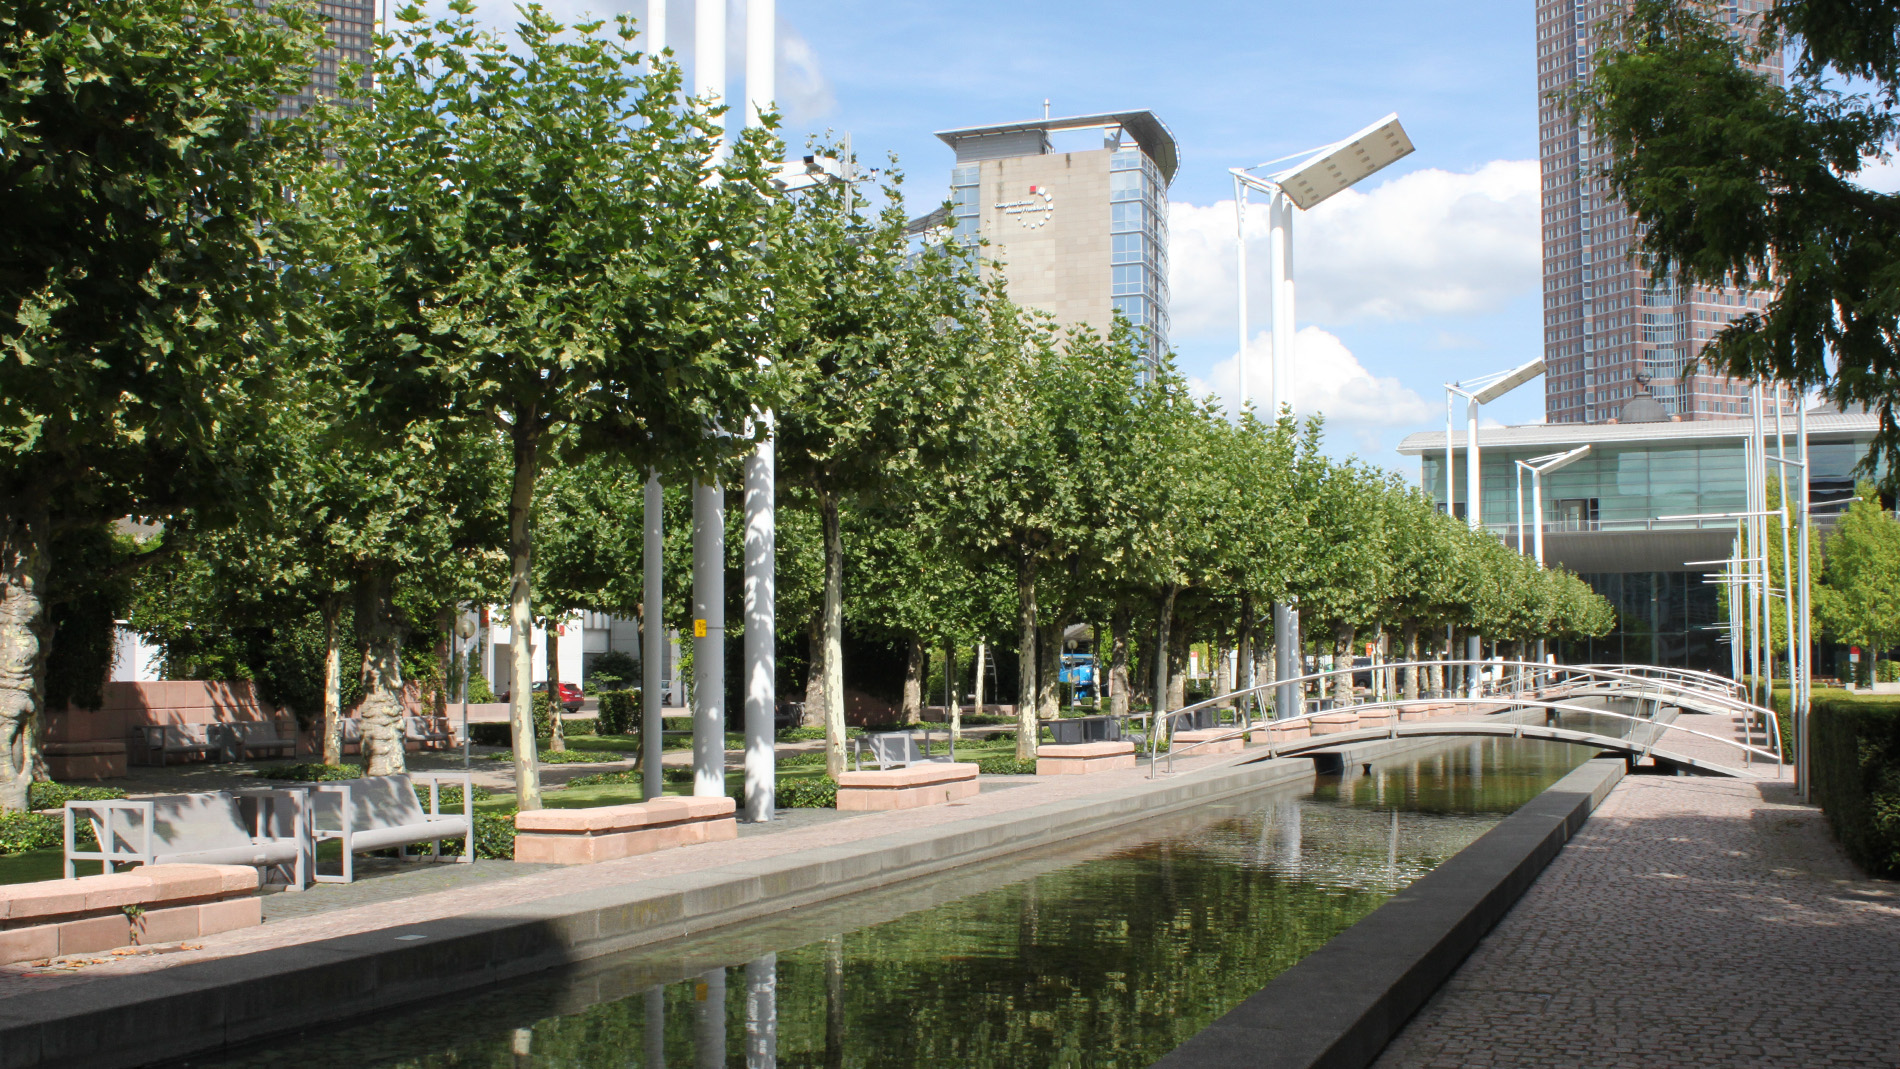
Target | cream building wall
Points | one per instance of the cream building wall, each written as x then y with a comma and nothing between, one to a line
1054,248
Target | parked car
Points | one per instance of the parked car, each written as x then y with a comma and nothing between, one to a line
570,694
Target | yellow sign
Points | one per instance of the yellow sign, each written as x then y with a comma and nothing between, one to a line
699,629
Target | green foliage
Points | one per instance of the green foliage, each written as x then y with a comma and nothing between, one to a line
490,734
494,832
23,831
1735,178
801,734
619,711
312,772
1856,768
815,792
615,670
1006,766
479,692
631,775
801,760
45,794
578,757
1858,598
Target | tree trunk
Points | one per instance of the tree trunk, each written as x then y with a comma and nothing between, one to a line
25,559
332,610
1342,663
814,715
1027,675
1411,656
1118,665
557,733
1177,670
982,655
382,710
913,707
1049,665
833,637
1164,621
444,660
520,612
952,710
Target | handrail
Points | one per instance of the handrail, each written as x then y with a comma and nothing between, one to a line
1647,685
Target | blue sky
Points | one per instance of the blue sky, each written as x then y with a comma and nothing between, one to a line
1427,272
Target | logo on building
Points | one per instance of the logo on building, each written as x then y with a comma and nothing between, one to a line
1032,211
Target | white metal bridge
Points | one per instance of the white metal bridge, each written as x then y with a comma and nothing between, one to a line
1635,698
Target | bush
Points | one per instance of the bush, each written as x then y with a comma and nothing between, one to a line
498,734
1855,763
33,831
619,712
799,760
489,734
581,757
313,772
613,670
631,775
479,692
801,734
494,835
1006,766
50,795
819,792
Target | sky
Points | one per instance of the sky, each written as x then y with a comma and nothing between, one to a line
1425,273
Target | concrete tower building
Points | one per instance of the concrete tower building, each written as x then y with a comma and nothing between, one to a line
1609,328
1083,233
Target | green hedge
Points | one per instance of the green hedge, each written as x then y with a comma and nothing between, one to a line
1856,768
493,734
49,795
1006,766
619,712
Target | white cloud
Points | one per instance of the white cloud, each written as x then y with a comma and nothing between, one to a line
1423,244
1328,380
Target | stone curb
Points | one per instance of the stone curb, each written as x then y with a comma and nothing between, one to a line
1340,1005
135,1020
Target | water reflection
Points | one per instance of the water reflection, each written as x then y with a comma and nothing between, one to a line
1105,953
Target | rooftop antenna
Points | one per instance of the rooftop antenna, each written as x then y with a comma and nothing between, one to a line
1045,108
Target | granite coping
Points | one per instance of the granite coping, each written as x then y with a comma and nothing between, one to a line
1085,749
610,818
918,775
142,886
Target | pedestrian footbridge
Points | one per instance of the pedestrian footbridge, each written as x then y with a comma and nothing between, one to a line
1629,710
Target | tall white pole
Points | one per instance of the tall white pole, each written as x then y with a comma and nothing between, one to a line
1537,514
1517,502
1240,275
1805,684
761,660
1474,642
1450,457
656,30
1280,259
709,500
652,641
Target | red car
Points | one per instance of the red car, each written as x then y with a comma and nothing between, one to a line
570,694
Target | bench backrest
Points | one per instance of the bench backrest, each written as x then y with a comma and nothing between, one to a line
257,732
894,749
375,802
188,822
418,727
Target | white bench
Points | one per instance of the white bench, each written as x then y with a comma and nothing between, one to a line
196,829
164,740
894,749
419,730
379,812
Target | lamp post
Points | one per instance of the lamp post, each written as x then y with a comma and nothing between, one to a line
465,630
1316,175
1477,392
1540,467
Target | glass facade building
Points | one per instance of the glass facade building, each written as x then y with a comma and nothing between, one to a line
351,25
1081,234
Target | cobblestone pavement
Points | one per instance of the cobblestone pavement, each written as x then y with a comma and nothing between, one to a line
1692,922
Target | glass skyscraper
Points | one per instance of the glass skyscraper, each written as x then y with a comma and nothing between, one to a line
351,24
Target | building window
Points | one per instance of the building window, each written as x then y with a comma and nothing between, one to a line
1129,278
1135,308
1129,249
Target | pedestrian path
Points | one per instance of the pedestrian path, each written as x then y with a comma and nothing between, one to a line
1691,922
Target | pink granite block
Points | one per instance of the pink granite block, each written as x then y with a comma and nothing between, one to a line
602,833
230,914
171,925
927,774
1081,758
91,935
1335,722
864,799
28,944
1230,743
1274,733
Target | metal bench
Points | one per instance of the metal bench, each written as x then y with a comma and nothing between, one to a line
894,749
379,812
421,731
197,829
164,740
240,742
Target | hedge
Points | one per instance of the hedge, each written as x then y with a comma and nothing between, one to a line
1855,763
619,712
497,734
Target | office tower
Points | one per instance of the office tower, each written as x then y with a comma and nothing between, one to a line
1082,233
1610,329
350,26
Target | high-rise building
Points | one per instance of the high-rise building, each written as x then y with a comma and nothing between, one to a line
1608,325
1080,233
351,24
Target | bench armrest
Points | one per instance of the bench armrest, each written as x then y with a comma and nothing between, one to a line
467,782
99,813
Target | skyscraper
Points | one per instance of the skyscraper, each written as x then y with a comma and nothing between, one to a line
351,23
1081,234
1609,327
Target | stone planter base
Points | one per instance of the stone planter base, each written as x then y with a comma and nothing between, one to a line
73,761
1233,744
934,783
1275,733
144,906
1080,758
1334,722
603,833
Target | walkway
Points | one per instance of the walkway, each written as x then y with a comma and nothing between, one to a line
1692,922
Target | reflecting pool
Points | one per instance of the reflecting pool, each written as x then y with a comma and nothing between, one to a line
1106,952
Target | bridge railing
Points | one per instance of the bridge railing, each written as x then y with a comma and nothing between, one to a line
1489,682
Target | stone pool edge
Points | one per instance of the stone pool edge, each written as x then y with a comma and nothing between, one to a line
1340,1005
123,1021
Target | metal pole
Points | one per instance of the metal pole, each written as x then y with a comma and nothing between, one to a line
709,640
1803,693
1240,265
656,30
761,520
1787,558
1537,515
761,1009
1473,505
1759,485
1450,485
652,637
1280,256
1517,503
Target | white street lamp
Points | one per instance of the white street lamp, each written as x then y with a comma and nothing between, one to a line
1319,174
1540,467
